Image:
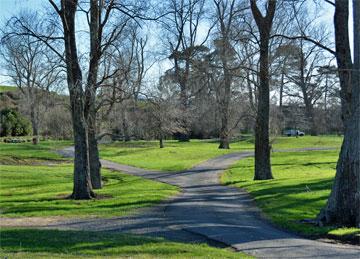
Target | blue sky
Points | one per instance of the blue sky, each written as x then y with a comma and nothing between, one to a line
9,8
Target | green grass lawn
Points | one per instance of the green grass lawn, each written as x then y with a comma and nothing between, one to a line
300,189
41,190
28,189
306,142
4,88
22,153
183,155
33,243
174,157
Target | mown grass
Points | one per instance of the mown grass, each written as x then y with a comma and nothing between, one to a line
27,153
174,157
41,191
5,88
307,142
300,189
183,155
33,243
28,190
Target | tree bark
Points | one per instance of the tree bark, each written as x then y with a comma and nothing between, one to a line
94,158
343,204
262,144
82,182
82,185
90,109
224,111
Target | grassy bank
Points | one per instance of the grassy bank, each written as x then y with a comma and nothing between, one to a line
300,189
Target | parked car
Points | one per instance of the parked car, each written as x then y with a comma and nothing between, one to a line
294,132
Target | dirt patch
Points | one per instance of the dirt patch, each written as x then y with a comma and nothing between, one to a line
30,221
29,161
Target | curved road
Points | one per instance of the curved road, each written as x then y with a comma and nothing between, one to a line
207,211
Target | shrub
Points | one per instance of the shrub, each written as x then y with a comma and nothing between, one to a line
13,123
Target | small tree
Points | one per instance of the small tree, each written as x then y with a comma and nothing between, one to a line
163,113
13,124
31,67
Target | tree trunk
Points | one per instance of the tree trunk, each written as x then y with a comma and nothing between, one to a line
90,105
125,127
82,185
224,112
311,117
161,142
34,125
262,145
182,78
224,142
95,165
184,135
343,204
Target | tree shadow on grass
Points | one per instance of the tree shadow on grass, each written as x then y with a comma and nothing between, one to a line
81,242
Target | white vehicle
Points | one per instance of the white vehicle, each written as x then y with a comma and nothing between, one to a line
293,132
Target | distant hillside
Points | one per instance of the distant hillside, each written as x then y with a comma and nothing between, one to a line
9,96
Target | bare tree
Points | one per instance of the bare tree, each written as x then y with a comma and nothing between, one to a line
185,43
226,13
262,146
33,70
304,80
163,111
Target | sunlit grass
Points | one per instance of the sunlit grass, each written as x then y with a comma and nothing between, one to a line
27,153
33,243
42,190
183,155
300,189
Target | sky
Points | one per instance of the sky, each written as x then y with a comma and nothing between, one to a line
9,8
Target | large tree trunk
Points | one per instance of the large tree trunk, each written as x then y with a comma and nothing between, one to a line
343,206
95,165
262,145
90,107
82,184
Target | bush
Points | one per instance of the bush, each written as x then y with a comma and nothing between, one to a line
13,123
